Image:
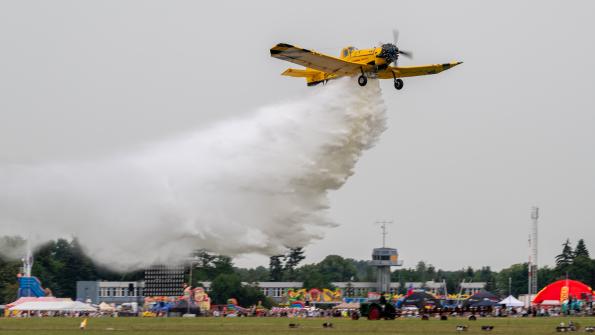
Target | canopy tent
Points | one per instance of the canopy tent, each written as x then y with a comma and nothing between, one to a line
485,303
59,306
105,307
562,290
480,296
347,305
419,299
511,301
32,299
80,306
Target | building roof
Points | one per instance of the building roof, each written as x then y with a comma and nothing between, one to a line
360,284
267,284
297,284
282,284
478,285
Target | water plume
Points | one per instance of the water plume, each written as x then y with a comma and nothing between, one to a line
252,185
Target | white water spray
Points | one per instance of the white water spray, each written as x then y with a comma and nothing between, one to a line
253,185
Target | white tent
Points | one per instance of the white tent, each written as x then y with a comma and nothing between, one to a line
79,306
511,301
61,306
105,307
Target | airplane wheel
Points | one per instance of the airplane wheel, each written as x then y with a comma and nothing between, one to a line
362,80
398,84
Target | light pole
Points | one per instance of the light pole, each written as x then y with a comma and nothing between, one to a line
509,285
192,262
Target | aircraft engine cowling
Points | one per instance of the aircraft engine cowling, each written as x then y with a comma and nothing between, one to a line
389,52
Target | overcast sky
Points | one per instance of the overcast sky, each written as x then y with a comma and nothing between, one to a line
466,154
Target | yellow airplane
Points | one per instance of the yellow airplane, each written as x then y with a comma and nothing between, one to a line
372,63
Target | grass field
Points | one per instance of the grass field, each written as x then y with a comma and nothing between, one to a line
214,326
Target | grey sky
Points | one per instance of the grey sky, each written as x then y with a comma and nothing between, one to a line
466,154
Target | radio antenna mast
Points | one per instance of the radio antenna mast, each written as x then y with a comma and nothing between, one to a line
384,232
533,252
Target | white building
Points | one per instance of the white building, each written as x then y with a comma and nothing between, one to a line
120,292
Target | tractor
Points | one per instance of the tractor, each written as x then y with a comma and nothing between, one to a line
376,310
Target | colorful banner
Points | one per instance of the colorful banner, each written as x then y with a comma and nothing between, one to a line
564,293
314,295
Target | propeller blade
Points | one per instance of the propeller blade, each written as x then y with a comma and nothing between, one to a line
407,54
395,36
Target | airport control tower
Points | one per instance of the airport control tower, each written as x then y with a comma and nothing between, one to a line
383,258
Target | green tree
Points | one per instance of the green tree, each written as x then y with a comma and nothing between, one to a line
276,268
208,266
312,278
251,295
518,274
405,275
292,260
431,272
76,266
228,285
364,272
221,264
581,269
581,249
421,270
225,286
8,280
565,258
61,264
545,276
485,275
336,268
260,273
469,273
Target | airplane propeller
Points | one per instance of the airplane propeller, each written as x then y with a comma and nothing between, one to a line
391,52
407,54
395,36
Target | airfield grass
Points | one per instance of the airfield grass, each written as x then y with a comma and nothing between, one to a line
237,326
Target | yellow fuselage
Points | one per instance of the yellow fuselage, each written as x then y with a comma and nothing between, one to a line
365,63
364,56
351,54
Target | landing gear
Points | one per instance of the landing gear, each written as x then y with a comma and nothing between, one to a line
398,83
362,80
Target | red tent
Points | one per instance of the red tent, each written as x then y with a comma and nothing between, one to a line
561,290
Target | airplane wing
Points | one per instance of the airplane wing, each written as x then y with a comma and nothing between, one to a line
314,60
414,71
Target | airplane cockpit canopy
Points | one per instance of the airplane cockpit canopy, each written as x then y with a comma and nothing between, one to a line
346,51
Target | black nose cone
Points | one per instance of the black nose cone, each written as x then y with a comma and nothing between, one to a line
390,52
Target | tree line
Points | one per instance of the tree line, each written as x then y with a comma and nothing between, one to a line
60,264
